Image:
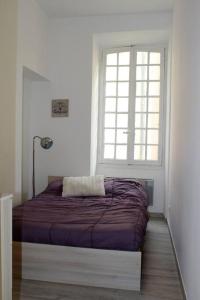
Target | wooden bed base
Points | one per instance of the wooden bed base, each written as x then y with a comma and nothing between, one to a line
81,266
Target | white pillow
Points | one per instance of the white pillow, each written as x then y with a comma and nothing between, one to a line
83,186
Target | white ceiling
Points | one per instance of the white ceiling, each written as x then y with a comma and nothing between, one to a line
78,8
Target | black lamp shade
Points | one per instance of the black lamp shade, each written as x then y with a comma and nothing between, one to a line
46,142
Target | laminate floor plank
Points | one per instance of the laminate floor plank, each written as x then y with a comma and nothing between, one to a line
160,278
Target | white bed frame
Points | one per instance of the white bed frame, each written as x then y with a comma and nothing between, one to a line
81,266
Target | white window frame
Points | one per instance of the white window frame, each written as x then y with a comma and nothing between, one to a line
131,112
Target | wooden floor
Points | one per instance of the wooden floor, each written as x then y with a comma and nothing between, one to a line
160,279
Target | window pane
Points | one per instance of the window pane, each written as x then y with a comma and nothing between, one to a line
123,73
111,59
154,88
141,105
124,58
109,136
110,89
121,152
154,58
141,73
110,104
152,152
153,121
122,120
111,74
122,105
140,120
152,137
142,58
141,89
123,89
121,136
139,152
109,151
140,136
109,120
154,104
154,73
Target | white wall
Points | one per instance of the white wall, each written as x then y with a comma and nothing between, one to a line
36,121
26,141
185,143
94,107
33,85
71,57
33,32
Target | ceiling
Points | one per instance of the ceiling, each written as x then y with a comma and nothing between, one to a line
78,8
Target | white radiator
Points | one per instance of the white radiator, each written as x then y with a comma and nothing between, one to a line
149,187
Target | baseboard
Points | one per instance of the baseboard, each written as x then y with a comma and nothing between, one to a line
156,215
177,262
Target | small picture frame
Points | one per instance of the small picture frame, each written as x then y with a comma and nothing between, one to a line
60,108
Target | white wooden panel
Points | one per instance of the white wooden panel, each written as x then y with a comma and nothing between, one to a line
82,266
6,247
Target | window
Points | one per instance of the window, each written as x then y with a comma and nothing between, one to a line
131,114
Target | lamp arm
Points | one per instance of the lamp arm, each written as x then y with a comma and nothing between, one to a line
36,137
33,177
45,143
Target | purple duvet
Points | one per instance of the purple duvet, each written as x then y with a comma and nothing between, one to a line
117,221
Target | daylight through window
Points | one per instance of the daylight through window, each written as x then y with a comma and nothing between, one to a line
131,105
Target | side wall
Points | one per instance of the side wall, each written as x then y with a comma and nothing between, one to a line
32,64
8,50
185,144
33,29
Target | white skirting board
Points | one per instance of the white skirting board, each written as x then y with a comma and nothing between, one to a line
81,266
5,247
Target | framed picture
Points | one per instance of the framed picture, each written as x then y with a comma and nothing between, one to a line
60,108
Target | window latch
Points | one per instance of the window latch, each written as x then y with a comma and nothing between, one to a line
126,132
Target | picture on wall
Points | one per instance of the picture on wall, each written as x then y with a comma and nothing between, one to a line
60,108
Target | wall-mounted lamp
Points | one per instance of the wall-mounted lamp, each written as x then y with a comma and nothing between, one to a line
46,143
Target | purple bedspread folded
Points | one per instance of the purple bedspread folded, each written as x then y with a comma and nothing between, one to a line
117,221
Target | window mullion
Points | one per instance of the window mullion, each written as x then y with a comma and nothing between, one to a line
116,107
132,92
162,105
147,106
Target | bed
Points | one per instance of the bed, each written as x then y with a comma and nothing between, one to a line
92,241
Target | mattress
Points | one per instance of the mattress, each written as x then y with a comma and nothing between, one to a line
117,221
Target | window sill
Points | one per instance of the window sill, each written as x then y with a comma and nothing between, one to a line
123,165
